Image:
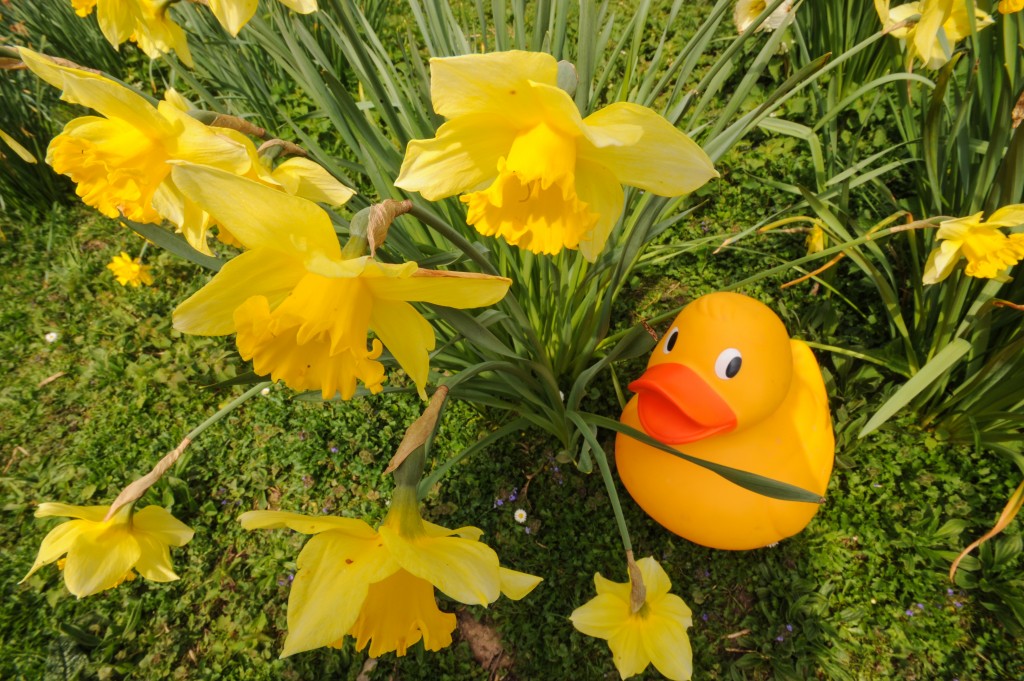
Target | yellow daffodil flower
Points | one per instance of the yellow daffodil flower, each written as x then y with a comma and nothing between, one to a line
656,633
940,25
1010,6
300,308
120,162
234,14
746,11
377,586
129,271
988,250
17,148
145,22
104,553
531,169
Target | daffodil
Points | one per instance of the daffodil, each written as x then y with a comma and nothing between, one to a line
300,307
145,22
130,271
988,250
377,586
17,148
939,26
656,633
531,169
746,11
234,14
120,162
1010,6
102,554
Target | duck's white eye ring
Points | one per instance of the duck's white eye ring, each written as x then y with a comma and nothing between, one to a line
728,363
670,340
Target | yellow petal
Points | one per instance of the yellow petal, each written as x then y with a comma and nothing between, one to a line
600,190
334,575
656,581
464,570
941,262
452,289
258,215
233,14
619,590
497,83
627,648
398,612
407,336
265,272
467,532
117,20
666,644
601,616
92,513
154,560
204,145
1007,216
56,543
663,160
517,585
96,92
462,155
272,520
160,525
18,149
300,6
304,178
99,559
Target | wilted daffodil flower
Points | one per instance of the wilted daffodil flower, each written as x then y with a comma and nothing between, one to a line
531,169
301,307
940,25
988,250
746,11
656,633
146,22
130,271
234,14
377,586
102,554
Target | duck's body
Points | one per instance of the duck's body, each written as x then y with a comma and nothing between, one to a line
731,388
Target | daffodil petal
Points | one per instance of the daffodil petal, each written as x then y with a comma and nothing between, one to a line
601,616
96,92
656,581
492,83
334,576
627,648
99,559
160,525
517,585
258,215
397,613
18,149
1007,216
155,560
666,644
210,311
304,178
601,191
618,589
466,532
407,335
117,20
941,262
91,513
300,6
663,160
56,543
462,155
203,145
233,14
452,289
272,520
464,570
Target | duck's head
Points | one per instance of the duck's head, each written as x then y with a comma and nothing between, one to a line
724,364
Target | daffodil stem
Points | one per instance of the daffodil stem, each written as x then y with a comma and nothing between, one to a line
226,409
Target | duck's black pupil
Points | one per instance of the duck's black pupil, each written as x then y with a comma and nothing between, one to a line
734,366
671,342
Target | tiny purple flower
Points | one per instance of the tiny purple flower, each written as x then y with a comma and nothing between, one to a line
958,604
704,616
499,502
909,613
920,606
527,530
949,592
780,638
789,627
334,450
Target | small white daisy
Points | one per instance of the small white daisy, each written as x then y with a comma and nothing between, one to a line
265,391
520,516
51,337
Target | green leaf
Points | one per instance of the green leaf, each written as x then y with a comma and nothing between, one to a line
175,244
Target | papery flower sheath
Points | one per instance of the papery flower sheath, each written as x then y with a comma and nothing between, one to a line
530,168
377,586
746,11
102,554
656,633
145,22
300,309
989,251
234,14
940,25
129,271
120,162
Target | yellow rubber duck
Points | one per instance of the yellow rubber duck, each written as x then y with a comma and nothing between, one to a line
728,385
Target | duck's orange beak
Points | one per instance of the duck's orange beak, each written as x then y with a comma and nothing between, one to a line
676,406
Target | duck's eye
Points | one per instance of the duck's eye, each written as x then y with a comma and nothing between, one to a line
728,363
670,339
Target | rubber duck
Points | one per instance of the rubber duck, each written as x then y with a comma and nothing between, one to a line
728,385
